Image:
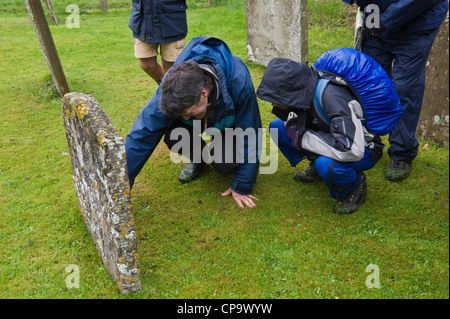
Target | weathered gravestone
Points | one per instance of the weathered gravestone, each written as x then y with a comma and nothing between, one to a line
434,118
104,5
277,28
97,154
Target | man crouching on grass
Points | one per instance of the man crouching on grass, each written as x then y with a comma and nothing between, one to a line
207,90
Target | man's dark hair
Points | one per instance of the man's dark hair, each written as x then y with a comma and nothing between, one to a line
181,88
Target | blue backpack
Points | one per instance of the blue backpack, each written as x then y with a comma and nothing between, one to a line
372,86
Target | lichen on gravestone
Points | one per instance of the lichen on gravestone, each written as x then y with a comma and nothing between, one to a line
98,159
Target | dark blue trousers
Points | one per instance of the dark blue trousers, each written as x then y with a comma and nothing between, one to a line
340,177
405,63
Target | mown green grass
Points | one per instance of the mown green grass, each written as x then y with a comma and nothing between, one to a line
192,242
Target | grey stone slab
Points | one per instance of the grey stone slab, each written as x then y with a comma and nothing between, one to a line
277,28
434,118
98,159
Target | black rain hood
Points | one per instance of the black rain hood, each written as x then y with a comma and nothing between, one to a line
288,83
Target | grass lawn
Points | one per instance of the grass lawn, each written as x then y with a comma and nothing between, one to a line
192,242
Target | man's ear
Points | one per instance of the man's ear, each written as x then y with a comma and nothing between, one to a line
204,93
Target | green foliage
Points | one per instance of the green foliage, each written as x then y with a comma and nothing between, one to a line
330,13
330,26
192,242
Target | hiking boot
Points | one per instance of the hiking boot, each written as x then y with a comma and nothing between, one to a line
398,170
308,175
190,172
350,203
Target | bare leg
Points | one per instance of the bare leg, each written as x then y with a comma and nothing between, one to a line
166,65
152,68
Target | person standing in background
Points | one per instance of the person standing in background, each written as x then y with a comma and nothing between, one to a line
400,41
158,24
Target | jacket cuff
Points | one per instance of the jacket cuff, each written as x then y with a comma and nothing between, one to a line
299,142
292,132
296,138
240,189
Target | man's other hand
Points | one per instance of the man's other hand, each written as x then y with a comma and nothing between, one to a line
241,199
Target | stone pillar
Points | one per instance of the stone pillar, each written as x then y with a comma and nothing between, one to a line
104,5
277,28
97,155
434,118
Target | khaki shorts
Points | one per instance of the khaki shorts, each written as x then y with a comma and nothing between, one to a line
169,51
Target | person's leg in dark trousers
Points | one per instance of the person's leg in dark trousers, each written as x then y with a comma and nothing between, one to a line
346,181
405,63
222,162
192,170
408,74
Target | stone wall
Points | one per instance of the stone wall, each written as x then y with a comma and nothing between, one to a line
434,118
97,154
277,28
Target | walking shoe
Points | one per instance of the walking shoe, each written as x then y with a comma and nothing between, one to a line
350,203
190,172
308,175
398,170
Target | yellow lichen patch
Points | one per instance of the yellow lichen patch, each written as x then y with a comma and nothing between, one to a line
100,138
84,110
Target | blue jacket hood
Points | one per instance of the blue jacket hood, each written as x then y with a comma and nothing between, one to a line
208,48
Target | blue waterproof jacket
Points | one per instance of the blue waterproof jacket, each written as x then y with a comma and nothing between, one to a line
237,108
410,16
157,21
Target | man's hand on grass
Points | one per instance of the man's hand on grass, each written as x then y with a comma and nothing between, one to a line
241,199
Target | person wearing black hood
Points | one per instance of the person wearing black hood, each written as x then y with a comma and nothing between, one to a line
339,150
